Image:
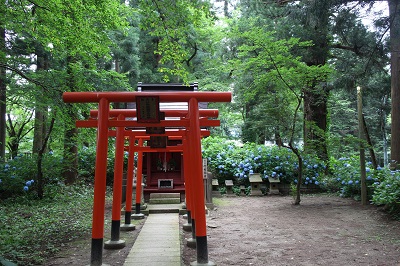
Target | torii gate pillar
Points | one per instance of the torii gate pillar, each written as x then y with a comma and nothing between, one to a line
197,182
100,184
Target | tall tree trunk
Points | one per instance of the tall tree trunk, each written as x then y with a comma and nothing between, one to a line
316,96
40,128
3,87
42,64
41,151
394,14
70,168
315,125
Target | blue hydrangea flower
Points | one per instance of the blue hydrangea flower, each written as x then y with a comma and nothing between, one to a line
306,183
316,182
350,182
367,169
273,174
307,178
26,188
28,183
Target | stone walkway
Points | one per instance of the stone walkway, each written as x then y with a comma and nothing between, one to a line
158,242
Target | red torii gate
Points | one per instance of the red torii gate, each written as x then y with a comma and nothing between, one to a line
192,125
115,242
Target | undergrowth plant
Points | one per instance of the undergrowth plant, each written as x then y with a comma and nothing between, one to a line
18,176
31,230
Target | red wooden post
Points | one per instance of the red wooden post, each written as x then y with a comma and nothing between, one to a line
198,187
191,242
115,242
129,184
100,185
139,171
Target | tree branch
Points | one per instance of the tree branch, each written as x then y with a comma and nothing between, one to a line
23,75
11,126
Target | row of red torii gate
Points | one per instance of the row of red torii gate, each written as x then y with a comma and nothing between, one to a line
163,124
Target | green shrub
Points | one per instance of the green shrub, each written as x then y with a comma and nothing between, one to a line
387,191
18,176
222,190
87,164
226,160
63,217
345,178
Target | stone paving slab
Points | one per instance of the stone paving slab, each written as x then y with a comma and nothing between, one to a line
158,242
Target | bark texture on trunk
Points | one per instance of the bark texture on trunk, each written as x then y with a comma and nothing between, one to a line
3,79
394,13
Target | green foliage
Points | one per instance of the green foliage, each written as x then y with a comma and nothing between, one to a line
87,163
173,25
387,190
345,178
222,190
61,218
236,190
18,176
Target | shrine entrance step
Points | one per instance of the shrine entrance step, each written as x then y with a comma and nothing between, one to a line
165,198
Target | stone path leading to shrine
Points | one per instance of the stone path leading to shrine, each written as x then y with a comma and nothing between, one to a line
158,242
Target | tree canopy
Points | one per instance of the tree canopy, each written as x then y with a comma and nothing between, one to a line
271,54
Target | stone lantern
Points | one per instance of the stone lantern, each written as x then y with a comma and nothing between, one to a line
273,185
255,181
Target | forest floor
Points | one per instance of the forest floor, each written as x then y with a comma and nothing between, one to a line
270,230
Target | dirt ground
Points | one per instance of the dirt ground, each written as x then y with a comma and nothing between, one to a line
323,230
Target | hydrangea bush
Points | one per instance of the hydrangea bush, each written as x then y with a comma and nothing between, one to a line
346,178
227,160
387,190
18,176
